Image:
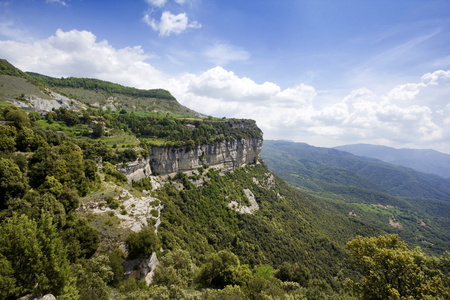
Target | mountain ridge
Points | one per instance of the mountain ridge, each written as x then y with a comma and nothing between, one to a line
423,160
367,188
38,92
397,180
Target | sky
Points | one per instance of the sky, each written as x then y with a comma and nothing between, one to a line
323,72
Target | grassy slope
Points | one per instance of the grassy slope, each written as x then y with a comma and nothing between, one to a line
14,87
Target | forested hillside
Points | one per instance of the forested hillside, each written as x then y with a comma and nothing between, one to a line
368,189
73,225
395,180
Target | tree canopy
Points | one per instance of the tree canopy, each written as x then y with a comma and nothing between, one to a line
393,271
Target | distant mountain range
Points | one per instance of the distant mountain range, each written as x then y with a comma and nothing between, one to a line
343,168
378,193
423,160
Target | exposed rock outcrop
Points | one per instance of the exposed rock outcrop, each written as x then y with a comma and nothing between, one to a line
56,101
226,155
136,170
245,209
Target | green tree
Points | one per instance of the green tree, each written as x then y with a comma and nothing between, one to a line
12,182
175,267
92,276
142,244
50,118
98,131
7,280
90,170
109,169
19,117
230,292
51,185
81,239
293,272
27,140
392,271
116,260
34,203
7,138
36,254
70,118
222,269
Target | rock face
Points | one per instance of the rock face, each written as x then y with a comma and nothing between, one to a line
226,155
55,101
245,209
137,170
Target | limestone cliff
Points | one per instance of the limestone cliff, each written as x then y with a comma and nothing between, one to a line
136,170
226,155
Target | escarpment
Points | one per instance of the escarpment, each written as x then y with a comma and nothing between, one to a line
226,155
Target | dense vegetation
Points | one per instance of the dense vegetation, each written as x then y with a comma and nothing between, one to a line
290,247
8,69
56,169
344,185
396,180
155,130
96,84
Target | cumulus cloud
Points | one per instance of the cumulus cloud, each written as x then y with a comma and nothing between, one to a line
78,53
170,23
414,114
222,54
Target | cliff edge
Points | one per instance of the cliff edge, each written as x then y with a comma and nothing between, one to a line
226,156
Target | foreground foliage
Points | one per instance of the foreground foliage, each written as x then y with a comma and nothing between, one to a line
392,271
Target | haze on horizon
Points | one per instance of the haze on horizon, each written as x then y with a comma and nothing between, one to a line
326,72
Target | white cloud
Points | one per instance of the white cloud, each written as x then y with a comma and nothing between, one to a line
170,23
8,29
158,3
63,3
161,3
225,85
415,114
77,53
222,54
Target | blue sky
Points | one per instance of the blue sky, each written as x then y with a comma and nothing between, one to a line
324,72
